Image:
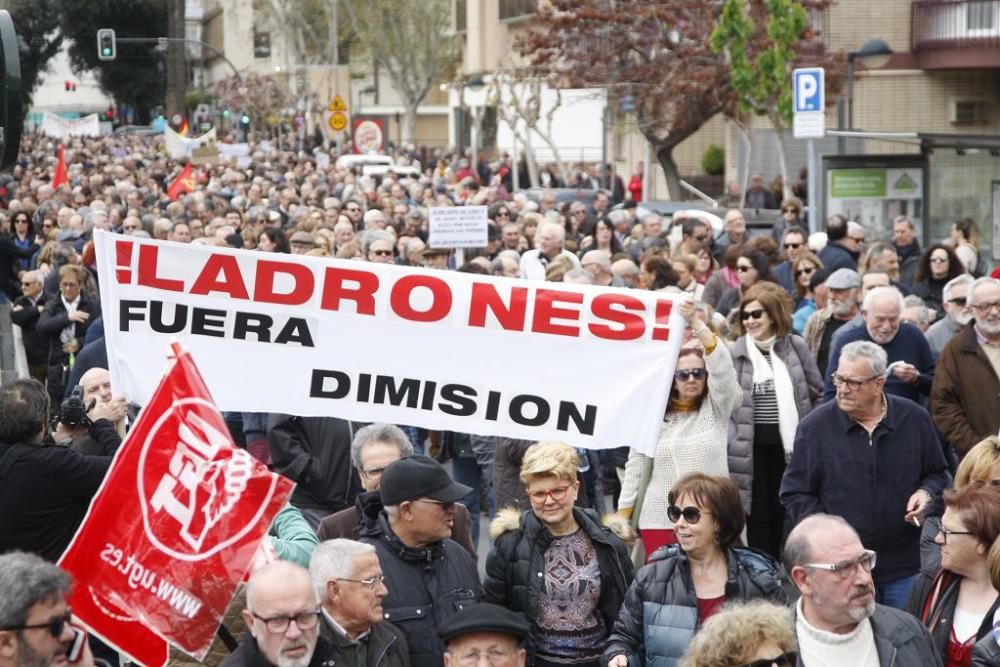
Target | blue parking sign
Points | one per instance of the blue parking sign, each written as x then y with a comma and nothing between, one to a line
807,89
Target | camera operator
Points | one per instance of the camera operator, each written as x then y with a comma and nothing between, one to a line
88,424
45,489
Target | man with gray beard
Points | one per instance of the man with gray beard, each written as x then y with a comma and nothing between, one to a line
965,397
837,619
956,314
842,288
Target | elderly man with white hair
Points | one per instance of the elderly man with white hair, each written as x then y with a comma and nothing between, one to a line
374,219
598,264
910,372
350,584
956,311
550,237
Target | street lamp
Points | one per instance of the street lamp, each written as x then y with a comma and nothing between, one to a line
873,54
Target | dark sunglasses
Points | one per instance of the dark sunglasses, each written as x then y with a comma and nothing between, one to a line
958,300
743,268
684,376
784,660
381,253
794,246
691,514
807,271
789,209
752,314
54,626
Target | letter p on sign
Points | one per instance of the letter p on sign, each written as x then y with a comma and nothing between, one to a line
807,88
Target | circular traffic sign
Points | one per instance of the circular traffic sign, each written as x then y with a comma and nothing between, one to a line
338,121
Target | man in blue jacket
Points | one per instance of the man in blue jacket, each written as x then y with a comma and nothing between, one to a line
911,370
875,460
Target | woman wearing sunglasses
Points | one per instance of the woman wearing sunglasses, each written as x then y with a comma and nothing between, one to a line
958,603
755,634
938,265
780,384
557,564
685,584
692,435
803,268
752,267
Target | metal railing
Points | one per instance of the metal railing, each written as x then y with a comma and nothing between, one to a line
954,24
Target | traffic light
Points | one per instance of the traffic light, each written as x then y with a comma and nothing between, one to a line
106,49
109,114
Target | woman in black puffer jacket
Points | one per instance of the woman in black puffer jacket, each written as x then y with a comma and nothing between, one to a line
557,564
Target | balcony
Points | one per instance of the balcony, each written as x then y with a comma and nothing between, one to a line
955,34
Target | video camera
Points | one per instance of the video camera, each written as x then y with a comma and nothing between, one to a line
73,410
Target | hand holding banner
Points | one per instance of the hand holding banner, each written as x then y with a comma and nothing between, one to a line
174,527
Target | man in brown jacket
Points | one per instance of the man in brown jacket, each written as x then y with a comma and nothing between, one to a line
374,447
965,398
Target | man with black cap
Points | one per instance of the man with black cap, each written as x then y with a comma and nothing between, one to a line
429,576
485,630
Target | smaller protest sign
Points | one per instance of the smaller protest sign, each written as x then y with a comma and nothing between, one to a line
457,227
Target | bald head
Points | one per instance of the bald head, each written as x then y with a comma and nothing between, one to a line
811,535
96,383
282,593
627,270
270,580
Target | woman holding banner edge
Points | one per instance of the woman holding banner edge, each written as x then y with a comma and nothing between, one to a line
692,436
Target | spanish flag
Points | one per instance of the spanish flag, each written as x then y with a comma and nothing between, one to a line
183,129
183,183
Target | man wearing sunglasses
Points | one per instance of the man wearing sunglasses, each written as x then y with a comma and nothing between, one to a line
349,578
34,616
872,458
838,621
794,245
429,577
957,314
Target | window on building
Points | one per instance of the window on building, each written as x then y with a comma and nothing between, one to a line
261,44
460,15
512,9
980,16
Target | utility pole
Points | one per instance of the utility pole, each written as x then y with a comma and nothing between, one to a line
176,60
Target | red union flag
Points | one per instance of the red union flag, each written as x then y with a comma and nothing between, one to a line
173,528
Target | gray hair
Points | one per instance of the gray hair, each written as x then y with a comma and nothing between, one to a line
914,301
963,279
986,280
557,227
497,266
879,293
873,353
334,559
379,432
373,235
797,547
26,580
854,227
578,275
903,218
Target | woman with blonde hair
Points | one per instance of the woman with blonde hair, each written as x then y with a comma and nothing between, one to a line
557,564
987,651
965,236
754,634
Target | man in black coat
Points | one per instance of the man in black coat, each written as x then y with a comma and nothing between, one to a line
45,490
429,576
25,313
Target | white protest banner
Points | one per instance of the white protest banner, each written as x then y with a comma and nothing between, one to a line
178,146
64,128
457,227
312,336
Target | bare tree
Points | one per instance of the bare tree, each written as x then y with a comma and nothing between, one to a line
411,41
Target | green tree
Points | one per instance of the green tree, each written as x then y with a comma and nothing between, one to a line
760,40
37,26
137,76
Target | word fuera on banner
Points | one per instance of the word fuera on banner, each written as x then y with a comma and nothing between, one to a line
443,350
198,508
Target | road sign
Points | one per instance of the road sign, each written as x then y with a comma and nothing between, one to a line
807,89
809,103
337,105
338,121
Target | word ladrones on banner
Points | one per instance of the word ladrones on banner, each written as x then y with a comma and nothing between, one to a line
198,509
456,351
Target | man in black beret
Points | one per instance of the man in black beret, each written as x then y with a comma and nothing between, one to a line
429,576
485,629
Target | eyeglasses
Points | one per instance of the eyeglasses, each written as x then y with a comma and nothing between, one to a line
557,494
985,308
306,620
752,314
372,473
503,214
808,271
370,584
47,224
845,568
853,385
494,656
27,284
696,373
939,260
447,507
855,238
55,625
958,300
789,209
793,246
743,268
789,659
380,253
691,514
352,209
947,533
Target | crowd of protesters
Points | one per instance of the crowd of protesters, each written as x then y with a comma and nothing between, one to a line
824,490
